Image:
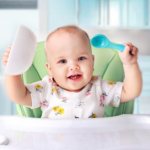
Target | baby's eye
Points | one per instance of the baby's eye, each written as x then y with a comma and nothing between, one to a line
82,58
62,61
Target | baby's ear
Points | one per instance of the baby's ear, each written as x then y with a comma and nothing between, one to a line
48,68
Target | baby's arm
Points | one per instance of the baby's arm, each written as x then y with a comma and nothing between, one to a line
132,84
15,86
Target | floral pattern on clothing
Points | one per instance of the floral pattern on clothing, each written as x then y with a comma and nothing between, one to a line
54,90
93,115
116,100
111,82
58,110
44,104
56,102
64,99
39,87
102,99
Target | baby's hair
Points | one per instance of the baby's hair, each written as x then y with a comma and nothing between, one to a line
69,29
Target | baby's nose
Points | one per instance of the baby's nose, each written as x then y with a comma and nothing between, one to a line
74,66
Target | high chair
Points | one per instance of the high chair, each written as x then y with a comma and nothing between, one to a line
107,64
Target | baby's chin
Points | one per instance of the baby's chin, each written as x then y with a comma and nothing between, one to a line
75,90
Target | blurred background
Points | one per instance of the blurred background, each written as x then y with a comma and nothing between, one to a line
42,16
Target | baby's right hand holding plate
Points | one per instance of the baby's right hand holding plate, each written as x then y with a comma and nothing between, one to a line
6,56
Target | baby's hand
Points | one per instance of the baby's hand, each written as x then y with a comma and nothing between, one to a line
5,56
129,55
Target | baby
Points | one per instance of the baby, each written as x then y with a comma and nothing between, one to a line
70,90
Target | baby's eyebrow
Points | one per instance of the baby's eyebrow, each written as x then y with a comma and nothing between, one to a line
84,54
61,57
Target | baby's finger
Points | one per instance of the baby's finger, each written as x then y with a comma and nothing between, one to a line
8,49
127,48
4,60
134,50
6,56
131,49
6,53
129,44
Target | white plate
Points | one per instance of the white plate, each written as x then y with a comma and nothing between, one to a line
22,52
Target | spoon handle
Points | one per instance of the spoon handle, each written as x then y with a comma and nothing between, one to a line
119,47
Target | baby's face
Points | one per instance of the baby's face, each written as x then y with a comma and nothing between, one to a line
70,61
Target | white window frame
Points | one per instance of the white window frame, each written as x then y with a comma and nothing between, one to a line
43,18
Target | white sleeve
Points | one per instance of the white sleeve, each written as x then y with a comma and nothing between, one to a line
37,91
112,92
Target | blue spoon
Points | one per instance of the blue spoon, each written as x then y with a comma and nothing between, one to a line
101,41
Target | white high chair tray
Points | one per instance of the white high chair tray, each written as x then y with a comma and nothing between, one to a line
126,132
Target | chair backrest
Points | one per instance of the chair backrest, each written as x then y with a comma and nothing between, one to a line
107,65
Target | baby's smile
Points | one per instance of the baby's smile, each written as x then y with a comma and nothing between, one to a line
75,77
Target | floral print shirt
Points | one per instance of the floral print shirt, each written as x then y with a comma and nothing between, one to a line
57,103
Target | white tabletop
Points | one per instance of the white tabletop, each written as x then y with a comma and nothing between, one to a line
123,132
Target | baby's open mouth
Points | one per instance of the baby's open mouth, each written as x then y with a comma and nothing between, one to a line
75,77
